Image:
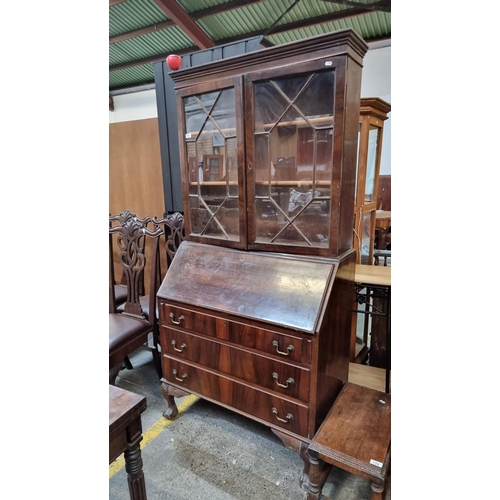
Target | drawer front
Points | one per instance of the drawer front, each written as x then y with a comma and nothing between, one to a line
178,317
287,347
254,402
269,373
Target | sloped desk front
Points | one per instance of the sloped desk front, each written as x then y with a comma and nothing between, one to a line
265,335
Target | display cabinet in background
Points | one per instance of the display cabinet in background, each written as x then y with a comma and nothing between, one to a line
373,113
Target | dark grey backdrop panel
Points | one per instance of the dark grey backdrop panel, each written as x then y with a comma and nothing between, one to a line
167,112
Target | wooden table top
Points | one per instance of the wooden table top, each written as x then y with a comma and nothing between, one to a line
357,431
123,405
372,275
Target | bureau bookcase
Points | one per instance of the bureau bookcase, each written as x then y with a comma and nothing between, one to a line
255,310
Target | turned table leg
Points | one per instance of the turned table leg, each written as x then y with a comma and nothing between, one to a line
318,474
133,463
377,490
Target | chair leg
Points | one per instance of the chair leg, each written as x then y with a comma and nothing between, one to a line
113,373
157,360
127,363
156,353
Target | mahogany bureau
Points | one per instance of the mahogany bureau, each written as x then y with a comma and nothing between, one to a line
263,334
255,310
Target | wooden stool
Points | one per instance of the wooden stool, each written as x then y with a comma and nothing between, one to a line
356,437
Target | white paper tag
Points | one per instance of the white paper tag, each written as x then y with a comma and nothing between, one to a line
188,135
328,63
374,462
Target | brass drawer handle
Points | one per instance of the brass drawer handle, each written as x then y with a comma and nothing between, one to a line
183,346
174,371
289,381
285,420
181,317
288,349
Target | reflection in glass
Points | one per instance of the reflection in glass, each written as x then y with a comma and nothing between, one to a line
357,166
365,240
211,148
370,163
293,159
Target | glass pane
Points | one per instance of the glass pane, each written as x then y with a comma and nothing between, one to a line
228,216
357,166
267,224
365,241
224,113
292,86
217,217
294,158
316,102
261,158
196,109
207,138
211,148
269,106
199,215
370,163
283,149
231,166
314,222
213,168
324,154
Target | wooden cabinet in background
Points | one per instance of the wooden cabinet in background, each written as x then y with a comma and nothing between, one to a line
373,113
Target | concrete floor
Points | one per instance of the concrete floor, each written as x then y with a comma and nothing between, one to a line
208,452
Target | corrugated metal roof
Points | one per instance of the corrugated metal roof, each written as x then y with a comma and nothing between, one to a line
131,59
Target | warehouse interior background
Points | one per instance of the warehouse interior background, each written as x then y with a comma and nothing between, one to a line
55,159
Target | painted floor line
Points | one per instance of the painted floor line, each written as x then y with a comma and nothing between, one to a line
154,431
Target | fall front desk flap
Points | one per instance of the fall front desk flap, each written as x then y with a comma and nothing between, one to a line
284,290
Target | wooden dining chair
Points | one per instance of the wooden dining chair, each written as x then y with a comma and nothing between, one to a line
121,287
130,327
173,227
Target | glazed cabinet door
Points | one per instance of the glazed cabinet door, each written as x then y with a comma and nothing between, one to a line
212,155
290,157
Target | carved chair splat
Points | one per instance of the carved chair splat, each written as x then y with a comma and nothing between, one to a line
129,328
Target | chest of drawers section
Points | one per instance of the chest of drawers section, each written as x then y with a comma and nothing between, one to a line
262,373
255,333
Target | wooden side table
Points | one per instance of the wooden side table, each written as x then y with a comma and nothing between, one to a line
125,435
376,299
355,437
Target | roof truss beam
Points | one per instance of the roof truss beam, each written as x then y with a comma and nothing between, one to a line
199,14
335,16
186,23
380,5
